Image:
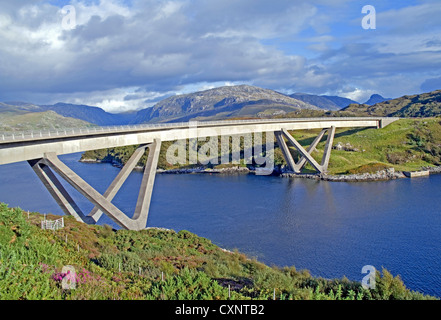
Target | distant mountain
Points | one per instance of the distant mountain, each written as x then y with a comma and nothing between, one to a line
222,103
90,114
94,115
26,117
418,105
231,102
331,103
375,98
18,107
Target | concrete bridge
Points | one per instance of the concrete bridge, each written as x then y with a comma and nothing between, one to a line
41,151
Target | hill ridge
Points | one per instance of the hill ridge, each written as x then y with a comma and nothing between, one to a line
417,105
230,101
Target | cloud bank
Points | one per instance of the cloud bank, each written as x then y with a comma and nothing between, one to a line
126,55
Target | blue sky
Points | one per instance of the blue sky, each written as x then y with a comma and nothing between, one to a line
125,55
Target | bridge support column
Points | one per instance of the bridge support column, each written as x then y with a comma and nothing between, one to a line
58,192
102,202
306,154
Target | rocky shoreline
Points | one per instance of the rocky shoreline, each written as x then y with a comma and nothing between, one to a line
229,170
432,170
383,175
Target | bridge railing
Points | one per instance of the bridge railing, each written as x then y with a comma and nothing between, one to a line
36,134
8,136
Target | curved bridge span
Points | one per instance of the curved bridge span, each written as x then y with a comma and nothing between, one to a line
41,151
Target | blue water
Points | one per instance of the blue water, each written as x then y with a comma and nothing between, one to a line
331,229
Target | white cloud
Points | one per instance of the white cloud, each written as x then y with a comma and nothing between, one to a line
357,94
113,100
154,48
411,19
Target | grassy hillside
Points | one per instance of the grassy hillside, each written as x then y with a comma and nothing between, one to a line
152,264
406,145
48,120
324,102
419,105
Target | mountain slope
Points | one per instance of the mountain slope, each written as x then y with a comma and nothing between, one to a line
18,107
91,114
223,102
375,98
418,105
331,103
47,120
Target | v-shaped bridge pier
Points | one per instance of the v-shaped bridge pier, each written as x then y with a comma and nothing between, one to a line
43,168
306,154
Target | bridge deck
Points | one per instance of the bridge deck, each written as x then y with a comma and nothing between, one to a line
16,147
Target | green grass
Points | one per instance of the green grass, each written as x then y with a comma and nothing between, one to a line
48,120
406,145
421,105
153,264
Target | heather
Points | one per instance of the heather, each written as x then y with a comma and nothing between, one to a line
153,264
